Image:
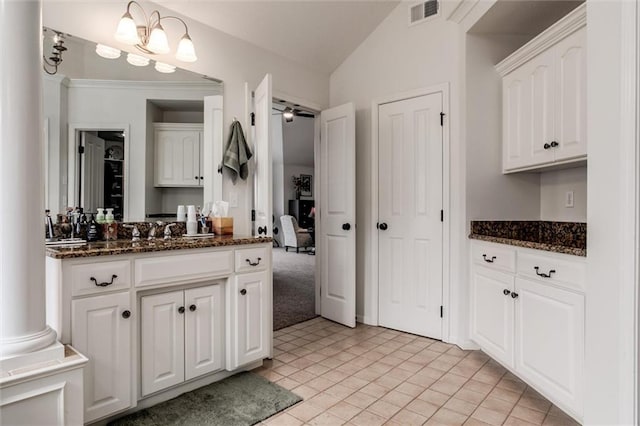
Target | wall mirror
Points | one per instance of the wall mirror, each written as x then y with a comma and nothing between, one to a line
141,139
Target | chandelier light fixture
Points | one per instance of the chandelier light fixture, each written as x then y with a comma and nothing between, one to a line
150,37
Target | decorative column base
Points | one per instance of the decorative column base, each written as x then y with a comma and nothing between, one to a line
28,350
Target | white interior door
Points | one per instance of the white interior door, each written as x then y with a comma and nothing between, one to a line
211,147
410,222
337,211
92,172
263,203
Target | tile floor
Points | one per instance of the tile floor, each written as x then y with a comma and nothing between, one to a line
371,376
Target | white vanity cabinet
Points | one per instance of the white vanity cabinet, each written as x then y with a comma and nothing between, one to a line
102,327
178,155
154,323
531,319
181,336
544,98
251,298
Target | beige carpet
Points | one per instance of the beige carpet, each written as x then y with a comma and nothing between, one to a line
293,288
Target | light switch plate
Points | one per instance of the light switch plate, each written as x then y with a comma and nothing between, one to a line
568,199
233,198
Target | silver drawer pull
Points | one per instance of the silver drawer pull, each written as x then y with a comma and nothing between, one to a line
104,284
484,256
542,274
252,263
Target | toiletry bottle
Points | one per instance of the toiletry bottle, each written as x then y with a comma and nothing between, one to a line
93,232
49,225
100,216
109,218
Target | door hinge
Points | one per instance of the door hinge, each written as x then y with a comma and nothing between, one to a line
253,118
253,215
441,215
80,149
441,311
442,114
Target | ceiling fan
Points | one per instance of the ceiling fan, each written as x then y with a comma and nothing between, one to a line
289,112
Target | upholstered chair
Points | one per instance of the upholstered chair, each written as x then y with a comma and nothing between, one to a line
294,236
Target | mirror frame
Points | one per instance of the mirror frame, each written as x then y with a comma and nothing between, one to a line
73,165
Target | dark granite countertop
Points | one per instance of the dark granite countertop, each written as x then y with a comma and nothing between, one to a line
558,237
125,246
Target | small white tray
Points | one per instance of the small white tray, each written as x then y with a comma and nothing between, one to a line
211,234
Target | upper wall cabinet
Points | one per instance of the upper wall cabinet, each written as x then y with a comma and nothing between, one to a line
178,154
544,98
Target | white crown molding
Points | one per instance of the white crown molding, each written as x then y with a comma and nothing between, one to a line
558,31
132,85
172,126
462,10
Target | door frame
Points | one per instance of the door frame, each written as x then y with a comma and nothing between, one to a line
371,316
316,109
73,160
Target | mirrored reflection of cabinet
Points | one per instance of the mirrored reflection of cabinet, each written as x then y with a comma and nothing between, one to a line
178,155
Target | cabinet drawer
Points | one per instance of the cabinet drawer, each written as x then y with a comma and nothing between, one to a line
99,277
182,268
253,259
494,256
565,272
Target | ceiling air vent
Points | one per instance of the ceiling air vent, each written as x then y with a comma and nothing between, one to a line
420,12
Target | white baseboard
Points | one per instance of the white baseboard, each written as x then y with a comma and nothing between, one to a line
465,344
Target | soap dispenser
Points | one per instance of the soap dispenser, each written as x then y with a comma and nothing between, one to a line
100,216
93,230
109,218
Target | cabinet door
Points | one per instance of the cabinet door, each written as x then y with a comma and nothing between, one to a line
251,301
516,95
549,340
162,345
177,158
540,73
571,89
492,313
103,334
204,329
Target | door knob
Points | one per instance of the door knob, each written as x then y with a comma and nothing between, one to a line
262,230
192,308
126,314
554,144
181,309
546,146
383,226
243,291
514,295
506,292
346,226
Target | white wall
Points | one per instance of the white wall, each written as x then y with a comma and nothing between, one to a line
291,170
173,197
553,188
183,117
219,55
492,195
277,159
397,58
298,141
55,115
612,212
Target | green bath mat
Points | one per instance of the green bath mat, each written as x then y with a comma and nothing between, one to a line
243,399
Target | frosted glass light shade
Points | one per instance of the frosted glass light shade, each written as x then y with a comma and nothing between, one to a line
137,60
158,42
107,52
164,68
186,51
127,31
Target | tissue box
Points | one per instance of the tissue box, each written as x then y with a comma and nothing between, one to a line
222,225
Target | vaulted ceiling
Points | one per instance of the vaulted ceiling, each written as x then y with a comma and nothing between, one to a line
317,34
